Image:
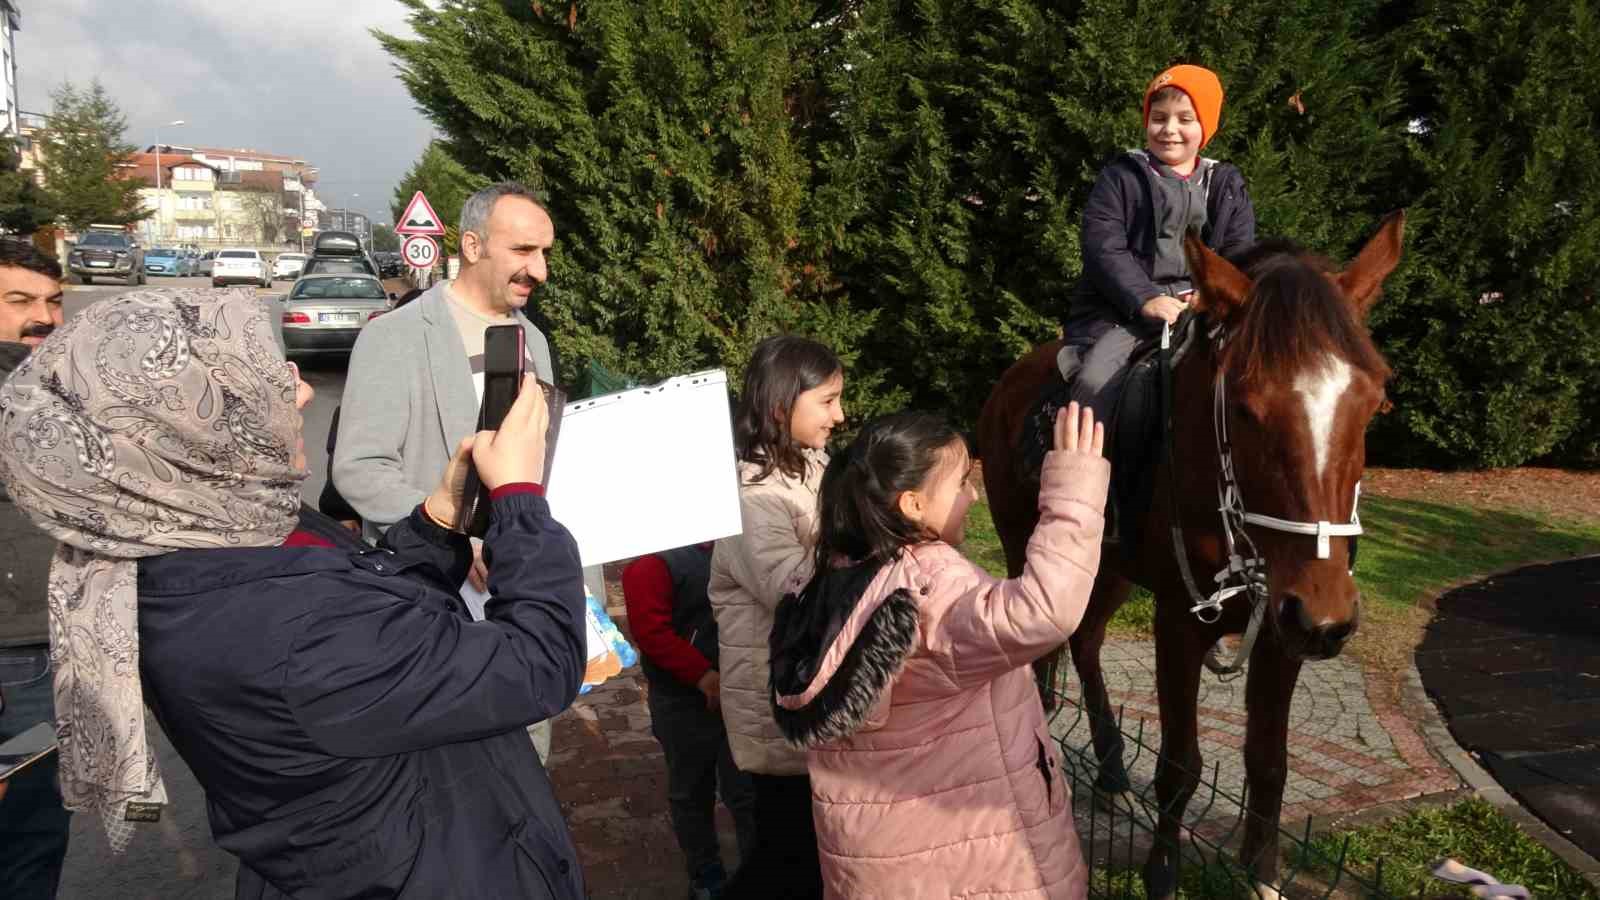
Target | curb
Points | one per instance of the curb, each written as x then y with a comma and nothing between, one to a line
1431,724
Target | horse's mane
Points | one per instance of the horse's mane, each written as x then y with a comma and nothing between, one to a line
1294,318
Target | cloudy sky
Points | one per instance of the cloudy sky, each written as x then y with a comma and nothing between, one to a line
301,78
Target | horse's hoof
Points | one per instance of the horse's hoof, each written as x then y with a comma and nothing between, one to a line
1267,892
1159,884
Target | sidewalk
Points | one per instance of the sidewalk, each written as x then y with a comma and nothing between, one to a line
612,783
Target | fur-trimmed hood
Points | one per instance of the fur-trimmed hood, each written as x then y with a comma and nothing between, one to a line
837,647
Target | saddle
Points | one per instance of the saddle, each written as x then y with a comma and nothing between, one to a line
1135,435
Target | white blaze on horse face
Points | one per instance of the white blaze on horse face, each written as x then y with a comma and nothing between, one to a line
1321,390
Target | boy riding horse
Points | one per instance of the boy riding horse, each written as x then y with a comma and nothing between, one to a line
1134,273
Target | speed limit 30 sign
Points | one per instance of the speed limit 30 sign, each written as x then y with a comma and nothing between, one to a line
420,251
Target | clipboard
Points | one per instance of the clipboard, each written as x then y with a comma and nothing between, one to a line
647,469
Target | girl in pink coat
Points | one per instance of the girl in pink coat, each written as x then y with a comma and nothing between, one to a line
902,668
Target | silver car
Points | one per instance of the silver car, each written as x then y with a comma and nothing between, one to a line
325,313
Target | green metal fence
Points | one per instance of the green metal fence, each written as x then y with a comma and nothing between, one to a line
1117,832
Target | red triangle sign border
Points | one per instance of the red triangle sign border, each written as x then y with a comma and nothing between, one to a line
427,223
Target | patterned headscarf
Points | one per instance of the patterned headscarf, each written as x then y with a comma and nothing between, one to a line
153,421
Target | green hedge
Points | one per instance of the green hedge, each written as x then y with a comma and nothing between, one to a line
905,179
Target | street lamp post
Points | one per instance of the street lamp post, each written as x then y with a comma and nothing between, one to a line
369,223
160,206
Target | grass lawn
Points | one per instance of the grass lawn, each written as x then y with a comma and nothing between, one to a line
1471,831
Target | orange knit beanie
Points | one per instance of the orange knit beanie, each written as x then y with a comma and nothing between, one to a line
1204,90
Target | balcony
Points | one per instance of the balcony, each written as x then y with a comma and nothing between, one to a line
185,184
194,215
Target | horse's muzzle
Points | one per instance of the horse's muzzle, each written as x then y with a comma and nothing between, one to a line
1304,638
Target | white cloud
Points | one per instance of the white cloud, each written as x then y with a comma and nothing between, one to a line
298,77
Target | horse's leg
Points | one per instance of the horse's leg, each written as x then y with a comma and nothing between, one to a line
1180,643
1110,592
1268,689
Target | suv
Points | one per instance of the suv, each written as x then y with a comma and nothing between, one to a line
236,266
107,254
339,253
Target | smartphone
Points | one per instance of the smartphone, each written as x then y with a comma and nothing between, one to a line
505,358
27,748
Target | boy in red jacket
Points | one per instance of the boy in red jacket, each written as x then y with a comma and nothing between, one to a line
670,617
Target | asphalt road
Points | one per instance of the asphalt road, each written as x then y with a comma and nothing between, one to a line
176,857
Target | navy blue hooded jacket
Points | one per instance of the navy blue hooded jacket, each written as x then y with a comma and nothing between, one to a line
1119,243
357,735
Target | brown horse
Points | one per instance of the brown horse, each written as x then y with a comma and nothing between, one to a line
1284,383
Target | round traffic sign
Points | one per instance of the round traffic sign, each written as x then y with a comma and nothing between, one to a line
420,251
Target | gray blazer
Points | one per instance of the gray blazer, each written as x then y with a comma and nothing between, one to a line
408,401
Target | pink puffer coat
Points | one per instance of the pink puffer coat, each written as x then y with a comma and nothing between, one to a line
933,771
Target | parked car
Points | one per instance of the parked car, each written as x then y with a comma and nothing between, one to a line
390,264
239,267
288,265
202,266
339,253
166,261
107,254
325,313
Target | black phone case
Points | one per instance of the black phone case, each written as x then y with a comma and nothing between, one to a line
473,519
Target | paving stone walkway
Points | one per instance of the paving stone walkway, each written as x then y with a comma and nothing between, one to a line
1350,748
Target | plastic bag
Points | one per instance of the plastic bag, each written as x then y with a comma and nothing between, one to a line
609,651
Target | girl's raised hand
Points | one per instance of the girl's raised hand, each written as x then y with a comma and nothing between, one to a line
1078,432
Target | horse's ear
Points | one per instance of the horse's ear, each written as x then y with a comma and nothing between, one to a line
1363,278
1221,287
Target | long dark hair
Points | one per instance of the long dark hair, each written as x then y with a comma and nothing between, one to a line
781,369
859,515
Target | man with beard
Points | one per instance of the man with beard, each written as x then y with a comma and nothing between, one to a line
415,379
33,824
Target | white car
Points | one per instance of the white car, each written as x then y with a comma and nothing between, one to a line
239,267
288,265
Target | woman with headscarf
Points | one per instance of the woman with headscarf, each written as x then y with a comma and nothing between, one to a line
357,735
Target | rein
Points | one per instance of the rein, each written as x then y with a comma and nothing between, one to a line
1246,572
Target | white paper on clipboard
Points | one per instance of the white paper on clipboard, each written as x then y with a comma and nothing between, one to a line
646,470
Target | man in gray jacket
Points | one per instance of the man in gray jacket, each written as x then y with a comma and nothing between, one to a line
415,378
33,823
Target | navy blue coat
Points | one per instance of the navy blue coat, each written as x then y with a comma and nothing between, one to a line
357,735
1119,243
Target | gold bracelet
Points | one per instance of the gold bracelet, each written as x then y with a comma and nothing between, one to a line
431,517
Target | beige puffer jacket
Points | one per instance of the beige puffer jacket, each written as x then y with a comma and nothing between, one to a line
750,572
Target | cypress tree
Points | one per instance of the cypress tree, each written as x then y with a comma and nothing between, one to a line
672,141
1493,325
905,179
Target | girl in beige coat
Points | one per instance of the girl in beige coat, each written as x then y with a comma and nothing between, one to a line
788,408
903,668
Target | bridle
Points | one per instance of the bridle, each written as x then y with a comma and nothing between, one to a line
1246,570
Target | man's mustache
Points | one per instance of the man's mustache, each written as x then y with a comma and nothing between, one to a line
38,330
